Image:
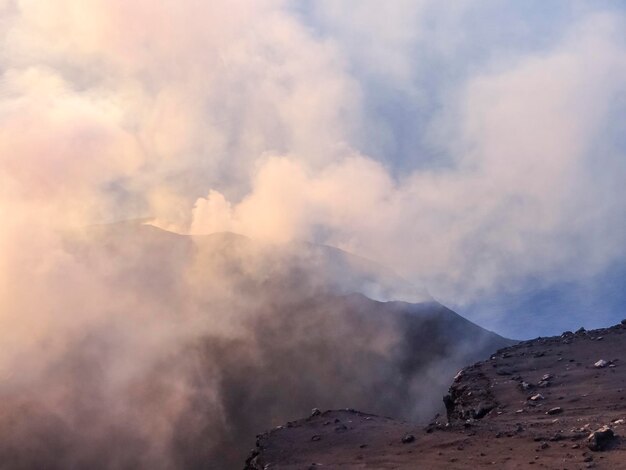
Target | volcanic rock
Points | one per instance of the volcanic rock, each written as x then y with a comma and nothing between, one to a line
600,439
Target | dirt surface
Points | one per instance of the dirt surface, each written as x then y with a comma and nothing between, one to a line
532,405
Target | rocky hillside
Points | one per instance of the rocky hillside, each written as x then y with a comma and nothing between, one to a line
555,403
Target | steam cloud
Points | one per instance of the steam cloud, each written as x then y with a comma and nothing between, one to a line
395,135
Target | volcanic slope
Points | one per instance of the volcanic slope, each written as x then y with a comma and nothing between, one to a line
537,404
172,351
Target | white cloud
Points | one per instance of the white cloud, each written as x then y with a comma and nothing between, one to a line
237,116
518,202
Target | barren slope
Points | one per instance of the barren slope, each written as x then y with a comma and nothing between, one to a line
551,431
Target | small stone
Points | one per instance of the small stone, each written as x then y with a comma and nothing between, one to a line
315,412
408,438
601,364
317,437
525,385
599,439
554,411
537,397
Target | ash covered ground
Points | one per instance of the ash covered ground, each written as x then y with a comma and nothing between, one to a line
554,403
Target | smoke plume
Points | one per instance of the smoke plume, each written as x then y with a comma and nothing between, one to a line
470,160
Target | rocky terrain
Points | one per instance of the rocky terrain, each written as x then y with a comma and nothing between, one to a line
555,403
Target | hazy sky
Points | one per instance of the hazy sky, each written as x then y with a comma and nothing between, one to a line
476,147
